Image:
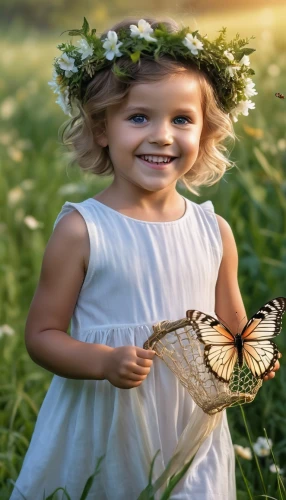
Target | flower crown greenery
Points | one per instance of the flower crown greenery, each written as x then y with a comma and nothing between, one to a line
226,64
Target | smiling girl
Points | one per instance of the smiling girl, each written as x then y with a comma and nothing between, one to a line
150,104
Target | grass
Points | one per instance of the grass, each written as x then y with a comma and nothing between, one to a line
34,182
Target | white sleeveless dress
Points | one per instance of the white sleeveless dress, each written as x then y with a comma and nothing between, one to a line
139,273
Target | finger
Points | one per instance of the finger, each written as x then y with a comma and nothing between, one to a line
280,355
276,366
145,363
145,354
269,376
141,370
133,377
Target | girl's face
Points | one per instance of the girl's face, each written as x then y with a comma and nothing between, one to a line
156,121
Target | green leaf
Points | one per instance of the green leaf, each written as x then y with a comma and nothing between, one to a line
85,26
135,56
51,497
89,482
74,32
120,73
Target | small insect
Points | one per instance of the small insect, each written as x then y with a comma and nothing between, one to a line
253,346
279,95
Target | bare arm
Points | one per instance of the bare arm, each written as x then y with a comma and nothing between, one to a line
229,305
62,275
46,337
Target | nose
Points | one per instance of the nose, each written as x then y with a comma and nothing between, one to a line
161,134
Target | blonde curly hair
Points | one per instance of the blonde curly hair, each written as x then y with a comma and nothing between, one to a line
79,133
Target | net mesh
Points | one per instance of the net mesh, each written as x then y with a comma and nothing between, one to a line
176,343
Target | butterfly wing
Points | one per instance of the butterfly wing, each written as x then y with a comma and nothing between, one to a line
260,356
259,352
267,322
220,352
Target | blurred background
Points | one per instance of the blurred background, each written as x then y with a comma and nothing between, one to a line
35,181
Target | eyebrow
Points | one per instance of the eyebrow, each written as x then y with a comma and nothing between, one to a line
146,108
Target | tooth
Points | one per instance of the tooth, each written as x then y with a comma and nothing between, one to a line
156,159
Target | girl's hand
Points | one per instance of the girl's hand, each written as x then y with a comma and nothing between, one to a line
126,367
272,373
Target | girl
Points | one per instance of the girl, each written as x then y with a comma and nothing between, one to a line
136,253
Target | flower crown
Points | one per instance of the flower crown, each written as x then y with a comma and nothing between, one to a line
226,64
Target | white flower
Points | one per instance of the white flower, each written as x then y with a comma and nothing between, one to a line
272,468
143,30
242,108
63,101
32,223
68,189
111,46
193,44
6,330
54,84
67,63
85,49
249,88
232,70
15,195
261,447
245,61
229,55
243,452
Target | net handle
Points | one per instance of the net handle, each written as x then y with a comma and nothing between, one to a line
162,328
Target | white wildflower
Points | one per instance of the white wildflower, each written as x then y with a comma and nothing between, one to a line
15,195
67,63
143,30
68,189
193,44
32,223
242,108
8,108
243,452
245,61
249,90
54,84
232,70
6,330
112,45
15,154
275,469
229,55
261,447
84,49
63,101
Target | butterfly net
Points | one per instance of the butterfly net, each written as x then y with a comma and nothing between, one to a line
177,344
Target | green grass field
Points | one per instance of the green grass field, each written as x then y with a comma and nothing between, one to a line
35,182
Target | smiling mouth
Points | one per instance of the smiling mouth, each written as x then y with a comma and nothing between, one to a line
167,162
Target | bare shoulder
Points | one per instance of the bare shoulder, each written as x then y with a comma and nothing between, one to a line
72,230
61,278
226,233
223,225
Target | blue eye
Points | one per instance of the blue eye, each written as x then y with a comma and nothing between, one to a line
183,118
134,118
137,116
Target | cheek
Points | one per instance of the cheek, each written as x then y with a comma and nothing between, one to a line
192,143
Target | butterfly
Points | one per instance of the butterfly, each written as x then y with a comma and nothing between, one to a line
252,346
279,95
